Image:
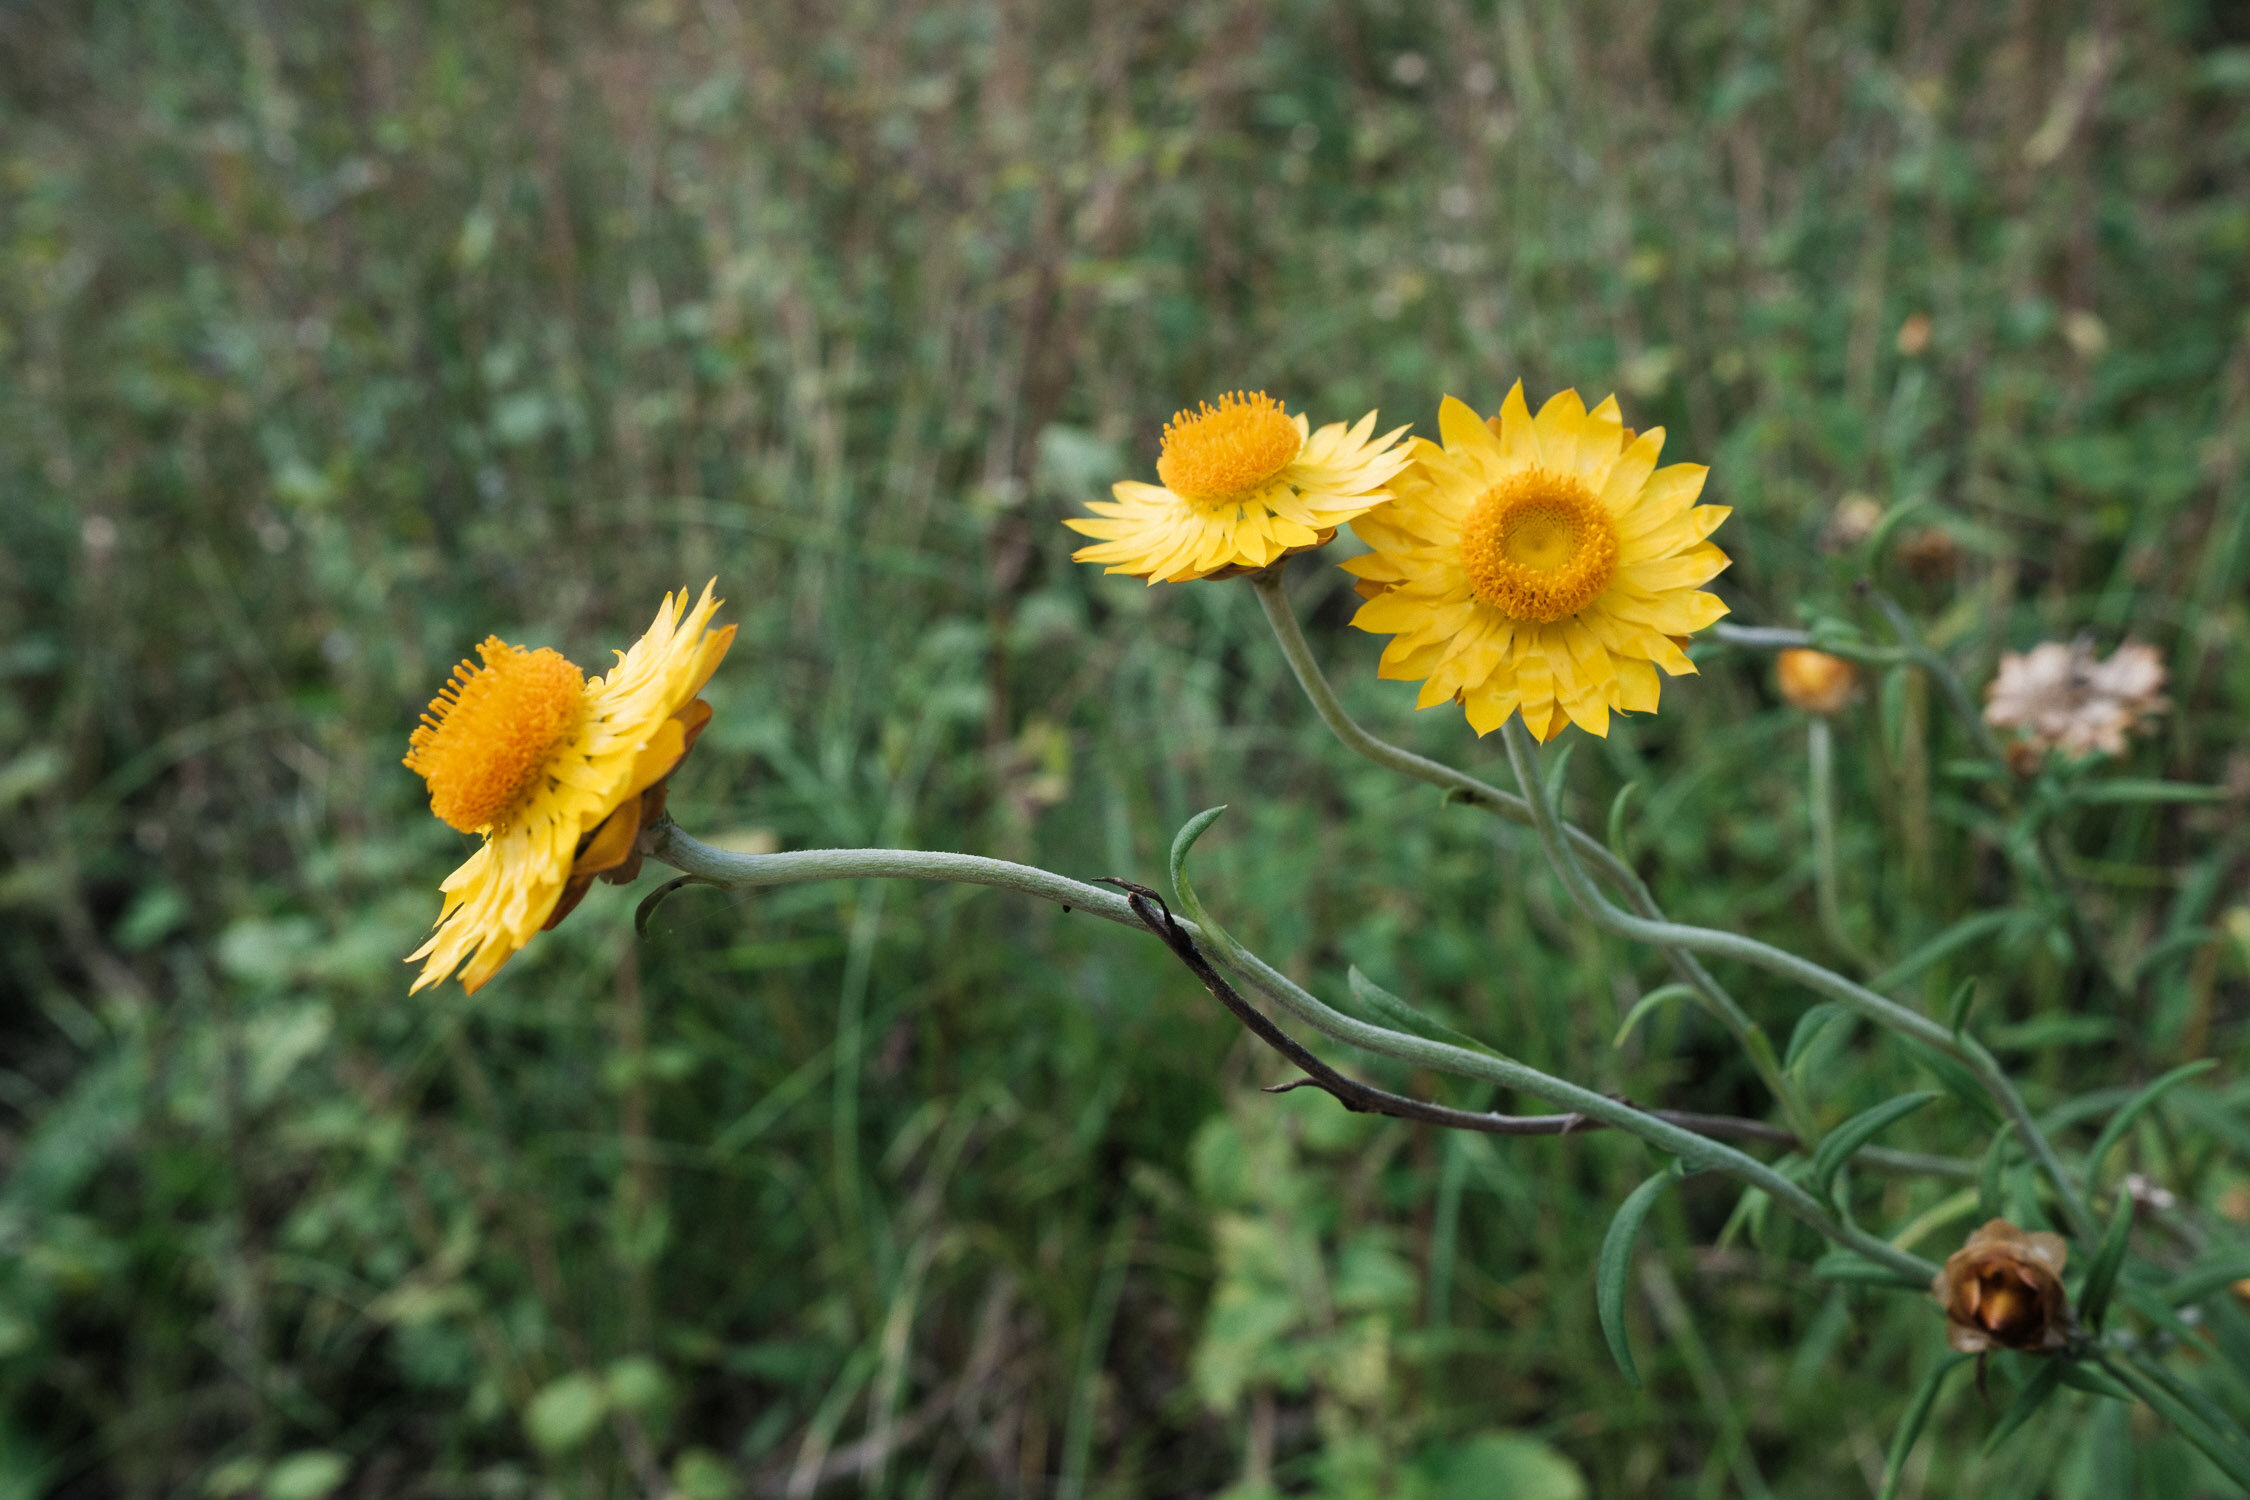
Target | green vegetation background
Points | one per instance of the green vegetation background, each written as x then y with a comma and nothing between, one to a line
337,336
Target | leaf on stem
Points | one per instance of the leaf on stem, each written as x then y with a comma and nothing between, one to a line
1661,995
1945,944
2123,1120
1617,807
1851,1266
1393,1011
1990,1200
1182,842
1856,1132
2101,1276
1910,1425
1963,1004
2131,789
2035,1394
1958,1080
1614,1267
1809,1027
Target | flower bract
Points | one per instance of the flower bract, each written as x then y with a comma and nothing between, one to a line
1541,565
557,773
1244,485
2003,1290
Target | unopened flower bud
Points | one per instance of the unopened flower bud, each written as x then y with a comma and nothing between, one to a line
2003,1290
1815,681
1929,554
1853,521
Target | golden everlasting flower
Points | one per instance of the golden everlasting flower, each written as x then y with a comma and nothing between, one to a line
2003,1290
1541,565
1815,681
1245,484
558,773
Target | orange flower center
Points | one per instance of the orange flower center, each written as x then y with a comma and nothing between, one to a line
1217,455
1538,546
2005,1304
485,742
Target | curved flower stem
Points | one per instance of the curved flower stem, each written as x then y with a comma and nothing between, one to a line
668,843
1748,1035
1884,1011
1696,1150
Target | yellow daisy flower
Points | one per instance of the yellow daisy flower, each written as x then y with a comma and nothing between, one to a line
1245,484
558,774
1539,565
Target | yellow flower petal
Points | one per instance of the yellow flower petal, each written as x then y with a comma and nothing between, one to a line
1539,565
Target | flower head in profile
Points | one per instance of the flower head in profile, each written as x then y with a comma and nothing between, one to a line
1541,565
1815,681
2058,697
558,773
1244,485
2003,1290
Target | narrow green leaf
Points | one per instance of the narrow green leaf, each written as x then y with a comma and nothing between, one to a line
1963,1004
1850,1266
2084,1377
1910,1425
1390,1010
1557,769
2123,1120
2215,1417
1184,840
1617,806
2200,1281
1958,1080
1809,1026
2101,1276
1995,1165
1661,995
1962,933
2137,789
1856,1132
1614,1268
2034,1395
2230,1458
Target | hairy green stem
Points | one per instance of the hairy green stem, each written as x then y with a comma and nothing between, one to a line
1274,600
1523,756
668,843
1697,1151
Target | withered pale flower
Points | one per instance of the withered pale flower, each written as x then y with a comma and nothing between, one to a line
1815,681
2059,697
2003,1290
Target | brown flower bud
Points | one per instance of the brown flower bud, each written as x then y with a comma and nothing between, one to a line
2003,1290
1929,554
1815,681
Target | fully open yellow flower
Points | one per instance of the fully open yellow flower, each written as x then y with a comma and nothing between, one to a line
558,774
1245,484
1541,565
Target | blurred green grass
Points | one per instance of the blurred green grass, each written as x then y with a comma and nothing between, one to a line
337,337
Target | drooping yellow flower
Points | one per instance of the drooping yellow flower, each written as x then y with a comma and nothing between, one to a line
1245,484
558,773
1539,565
